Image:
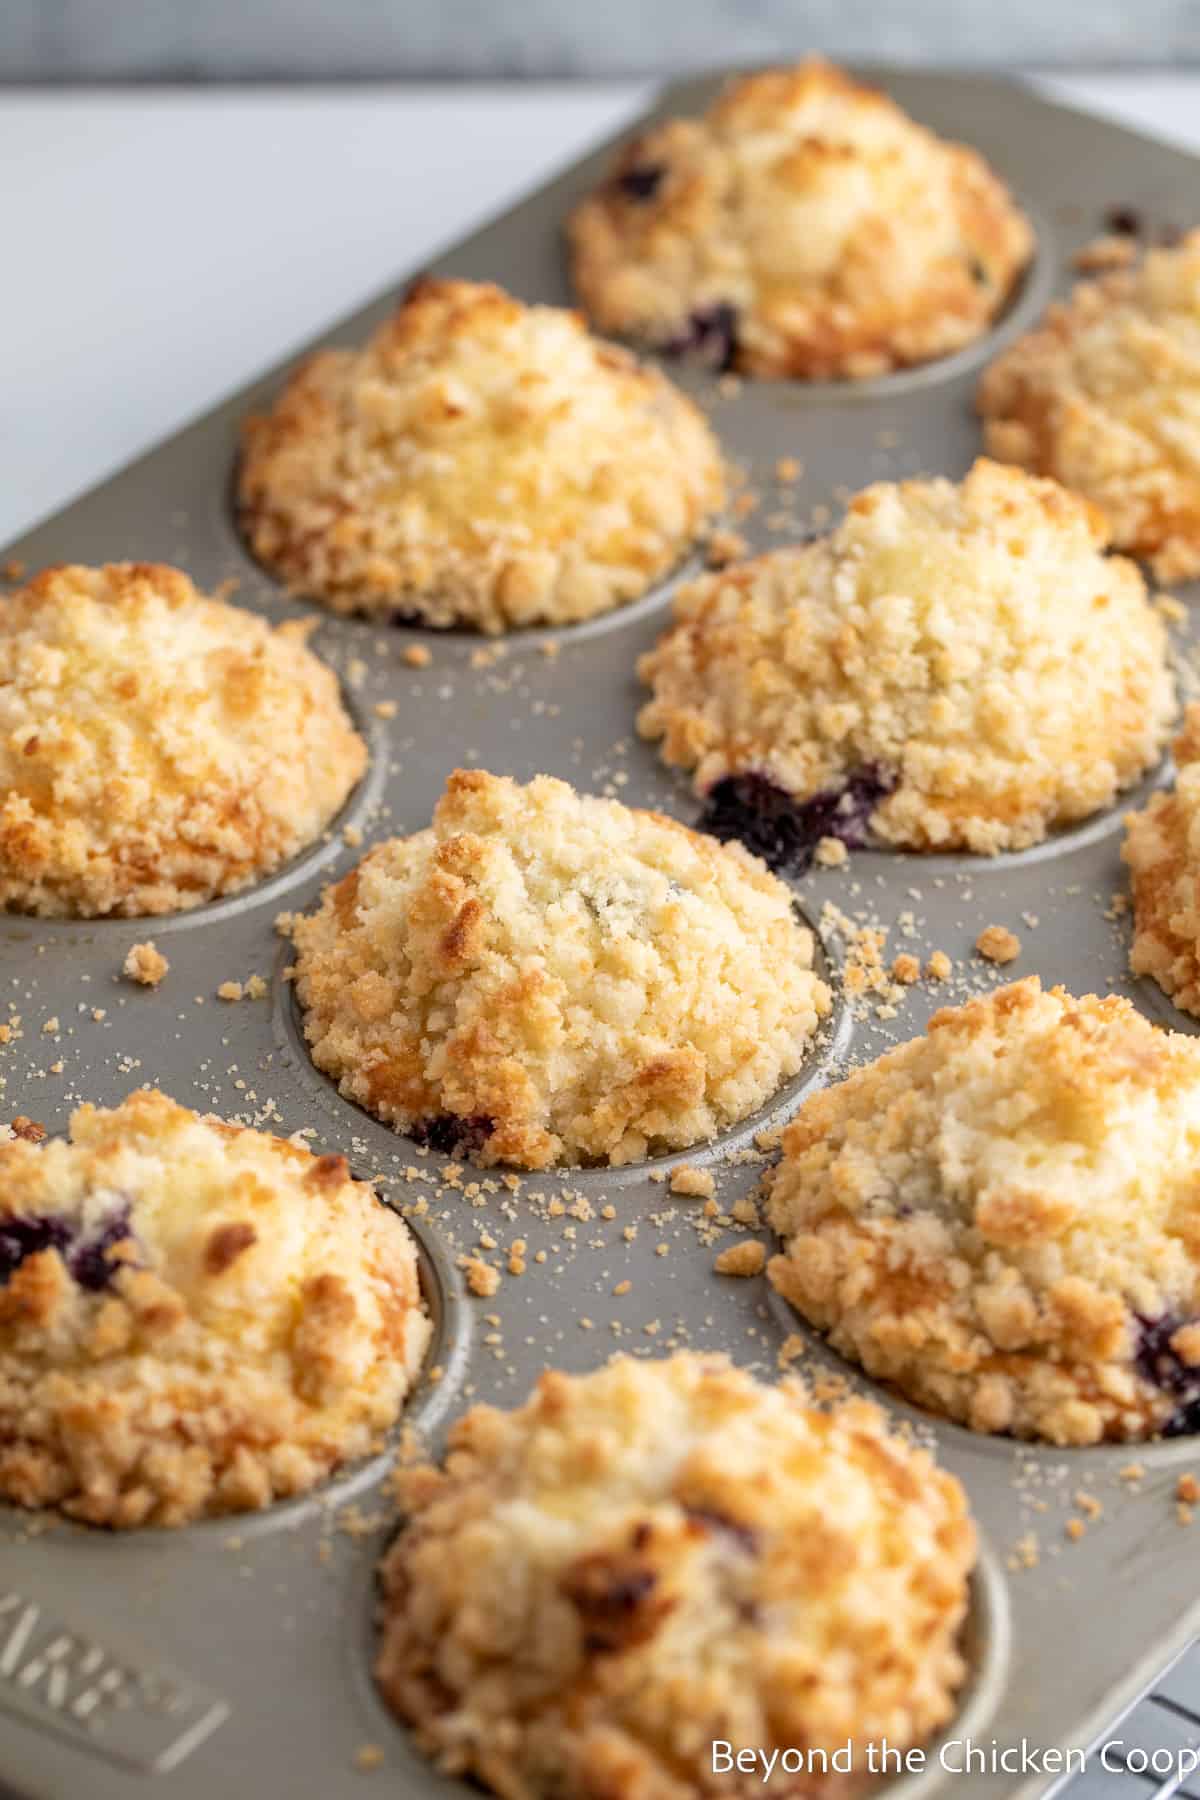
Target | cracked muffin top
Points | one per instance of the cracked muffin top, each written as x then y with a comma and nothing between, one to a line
1105,395
195,1318
1001,1218
157,748
544,976
480,463
1162,849
956,666
803,226
642,1560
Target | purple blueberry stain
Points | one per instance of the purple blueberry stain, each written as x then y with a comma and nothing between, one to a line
642,181
1157,1363
709,338
87,1254
449,1135
785,831
22,1237
90,1260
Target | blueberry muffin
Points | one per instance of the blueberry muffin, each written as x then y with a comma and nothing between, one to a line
999,1218
478,463
644,1560
546,977
954,667
157,748
1162,849
1105,395
195,1318
804,226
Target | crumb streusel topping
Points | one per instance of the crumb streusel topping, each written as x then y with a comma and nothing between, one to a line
1162,849
544,976
157,748
644,1559
804,226
195,1318
999,1218
479,462
1105,395
964,654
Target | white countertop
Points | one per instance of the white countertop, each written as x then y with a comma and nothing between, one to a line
164,246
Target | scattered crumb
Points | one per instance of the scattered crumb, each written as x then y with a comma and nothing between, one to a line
145,964
997,944
352,836
368,1757
1108,252
1187,1488
788,469
418,656
254,988
725,547
831,853
482,1278
1075,1529
939,967
906,968
697,1184
747,1258
385,709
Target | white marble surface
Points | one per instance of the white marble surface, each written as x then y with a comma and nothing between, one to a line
164,245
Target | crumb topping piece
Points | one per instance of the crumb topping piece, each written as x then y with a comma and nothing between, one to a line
998,1218
644,1559
544,976
478,462
157,748
956,666
803,226
145,964
195,1318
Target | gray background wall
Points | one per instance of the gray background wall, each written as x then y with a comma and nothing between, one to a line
84,40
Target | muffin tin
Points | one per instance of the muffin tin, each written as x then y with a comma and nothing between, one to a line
238,1651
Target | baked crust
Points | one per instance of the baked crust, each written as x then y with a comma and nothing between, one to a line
1105,395
157,748
195,1318
657,1555
999,1218
543,976
478,462
804,226
1162,849
968,645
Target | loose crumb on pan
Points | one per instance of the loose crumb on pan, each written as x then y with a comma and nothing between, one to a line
747,1258
996,944
695,1184
145,964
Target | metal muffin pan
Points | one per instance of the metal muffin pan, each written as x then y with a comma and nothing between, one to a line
238,1651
